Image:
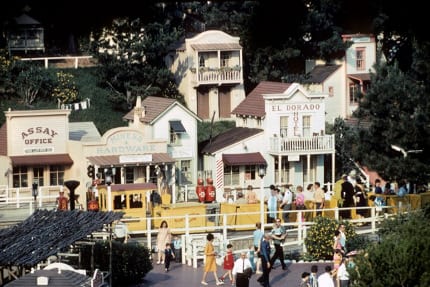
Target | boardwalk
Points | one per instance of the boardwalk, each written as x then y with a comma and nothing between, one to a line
183,275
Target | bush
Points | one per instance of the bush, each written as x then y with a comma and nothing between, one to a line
401,256
130,262
319,239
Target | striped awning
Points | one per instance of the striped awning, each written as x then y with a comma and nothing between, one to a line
115,160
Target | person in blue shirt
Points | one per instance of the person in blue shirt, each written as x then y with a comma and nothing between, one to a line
265,260
177,248
258,236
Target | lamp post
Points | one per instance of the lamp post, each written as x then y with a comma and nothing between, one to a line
262,173
108,181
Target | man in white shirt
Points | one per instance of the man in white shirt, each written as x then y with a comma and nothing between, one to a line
286,203
239,269
326,279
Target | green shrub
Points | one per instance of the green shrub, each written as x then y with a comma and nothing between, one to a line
130,262
320,236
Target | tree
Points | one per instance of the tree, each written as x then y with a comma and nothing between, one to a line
401,256
30,81
397,111
131,262
345,144
132,58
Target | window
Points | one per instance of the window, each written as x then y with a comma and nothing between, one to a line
185,171
201,61
176,128
284,172
353,93
225,57
56,175
20,176
231,175
283,126
360,58
135,200
330,91
250,171
174,138
306,126
119,201
129,175
38,176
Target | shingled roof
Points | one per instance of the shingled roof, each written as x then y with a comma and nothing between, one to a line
253,104
155,106
320,73
45,233
228,138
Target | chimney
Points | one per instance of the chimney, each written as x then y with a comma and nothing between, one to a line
139,111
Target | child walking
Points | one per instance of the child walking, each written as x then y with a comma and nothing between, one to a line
228,264
251,257
168,255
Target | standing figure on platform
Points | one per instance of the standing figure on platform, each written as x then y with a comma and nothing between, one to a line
62,201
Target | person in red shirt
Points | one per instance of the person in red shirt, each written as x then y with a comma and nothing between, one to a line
228,264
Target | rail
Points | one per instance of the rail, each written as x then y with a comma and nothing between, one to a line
229,231
47,59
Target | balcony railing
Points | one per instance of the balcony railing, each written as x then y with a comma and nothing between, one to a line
314,144
217,75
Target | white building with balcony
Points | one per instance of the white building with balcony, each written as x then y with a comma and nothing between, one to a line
209,73
281,126
342,80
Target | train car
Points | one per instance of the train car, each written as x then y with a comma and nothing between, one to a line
130,199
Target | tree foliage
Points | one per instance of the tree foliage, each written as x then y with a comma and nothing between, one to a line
30,81
397,111
130,262
401,256
320,237
132,58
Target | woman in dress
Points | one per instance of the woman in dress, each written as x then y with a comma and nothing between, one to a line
210,262
164,236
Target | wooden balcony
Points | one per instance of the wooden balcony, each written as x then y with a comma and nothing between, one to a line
302,145
204,76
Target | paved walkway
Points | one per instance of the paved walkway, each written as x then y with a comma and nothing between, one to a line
184,275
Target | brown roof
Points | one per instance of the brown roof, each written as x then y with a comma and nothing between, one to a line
253,104
320,73
133,186
228,138
46,159
3,139
360,77
108,160
154,106
252,158
216,46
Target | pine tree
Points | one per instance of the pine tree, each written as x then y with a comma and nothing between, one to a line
396,107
